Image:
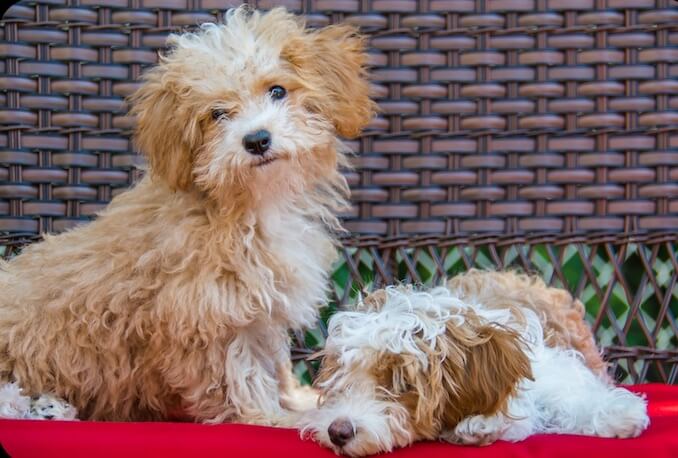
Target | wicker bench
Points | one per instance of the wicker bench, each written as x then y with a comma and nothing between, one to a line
538,134
533,134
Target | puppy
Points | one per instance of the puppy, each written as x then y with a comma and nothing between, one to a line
179,296
414,365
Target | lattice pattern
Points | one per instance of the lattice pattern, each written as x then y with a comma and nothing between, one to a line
499,116
628,284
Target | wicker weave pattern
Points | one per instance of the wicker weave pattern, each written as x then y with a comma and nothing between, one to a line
629,285
502,116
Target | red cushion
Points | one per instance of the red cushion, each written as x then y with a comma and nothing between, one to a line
98,440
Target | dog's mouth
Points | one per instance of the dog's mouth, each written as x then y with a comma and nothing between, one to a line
264,161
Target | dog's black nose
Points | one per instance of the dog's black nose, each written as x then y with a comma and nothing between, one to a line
258,142
341,431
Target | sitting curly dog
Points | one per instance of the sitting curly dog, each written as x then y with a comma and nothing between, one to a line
180,295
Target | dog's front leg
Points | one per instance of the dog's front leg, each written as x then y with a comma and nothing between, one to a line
231,381
252,387
258,384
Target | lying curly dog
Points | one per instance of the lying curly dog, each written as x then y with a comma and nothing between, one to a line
491,356
179,296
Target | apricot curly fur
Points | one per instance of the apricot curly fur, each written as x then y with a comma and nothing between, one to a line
562,316
179,296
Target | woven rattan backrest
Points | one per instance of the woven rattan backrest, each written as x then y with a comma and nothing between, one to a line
498,116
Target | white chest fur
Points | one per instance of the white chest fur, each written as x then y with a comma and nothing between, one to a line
304,251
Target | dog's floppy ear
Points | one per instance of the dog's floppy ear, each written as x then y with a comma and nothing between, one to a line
482,369
331,62
422,392
166,132
473,369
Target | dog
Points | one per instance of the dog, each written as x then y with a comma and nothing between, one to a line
179,296
477,360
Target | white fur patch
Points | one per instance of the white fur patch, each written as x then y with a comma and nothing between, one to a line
407,313
13,404
50,407
566,397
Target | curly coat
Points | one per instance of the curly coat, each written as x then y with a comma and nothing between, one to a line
179,296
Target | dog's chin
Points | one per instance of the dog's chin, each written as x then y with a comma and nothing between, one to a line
359,446
321,437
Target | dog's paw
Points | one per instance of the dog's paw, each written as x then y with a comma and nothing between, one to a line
49,407
13,404
476,430
624,416
299,399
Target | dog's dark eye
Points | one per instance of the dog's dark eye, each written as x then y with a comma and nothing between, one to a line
277,92
218,114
